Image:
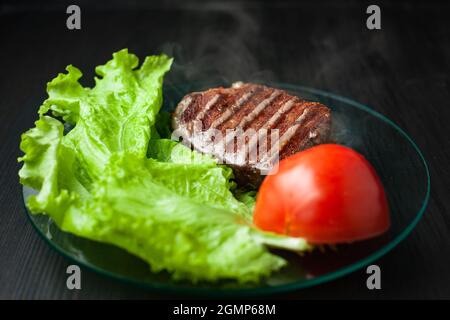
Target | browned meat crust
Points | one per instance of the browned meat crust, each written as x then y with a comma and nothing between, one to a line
290,123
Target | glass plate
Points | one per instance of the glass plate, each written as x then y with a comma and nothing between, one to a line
395,156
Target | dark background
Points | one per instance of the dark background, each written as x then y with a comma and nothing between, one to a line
402,71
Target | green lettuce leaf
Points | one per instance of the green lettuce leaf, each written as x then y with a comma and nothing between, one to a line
112,178
166,150
49,167
173,225
116,115
170,214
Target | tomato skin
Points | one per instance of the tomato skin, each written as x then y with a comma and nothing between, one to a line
326,194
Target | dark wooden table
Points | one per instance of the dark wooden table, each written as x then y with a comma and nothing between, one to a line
402,70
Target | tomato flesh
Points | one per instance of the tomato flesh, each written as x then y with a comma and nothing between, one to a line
326,194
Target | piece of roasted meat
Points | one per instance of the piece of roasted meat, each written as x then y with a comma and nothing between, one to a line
250,127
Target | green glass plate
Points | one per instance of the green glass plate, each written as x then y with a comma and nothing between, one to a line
395,156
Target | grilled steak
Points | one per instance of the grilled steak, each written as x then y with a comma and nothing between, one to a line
250,126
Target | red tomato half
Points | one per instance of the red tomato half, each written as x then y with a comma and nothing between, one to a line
326,194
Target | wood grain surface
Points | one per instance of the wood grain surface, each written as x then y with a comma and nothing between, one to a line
402,71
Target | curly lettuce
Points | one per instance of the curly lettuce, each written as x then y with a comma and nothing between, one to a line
114,178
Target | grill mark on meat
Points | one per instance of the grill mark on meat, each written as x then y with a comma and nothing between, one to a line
265,121
291,131
183,105
252,116
273,107
258,109
282,141
189,113
285,107
260,94
227,101
286,137
305,137
280,112
234,108
208,106
288,119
